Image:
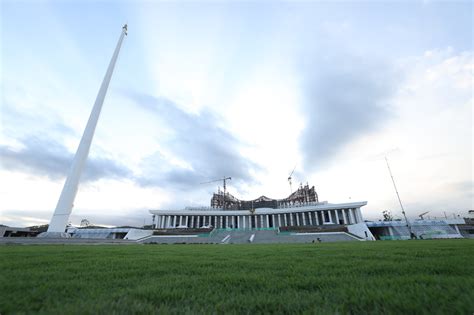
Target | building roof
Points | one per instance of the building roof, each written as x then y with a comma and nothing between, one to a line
302,208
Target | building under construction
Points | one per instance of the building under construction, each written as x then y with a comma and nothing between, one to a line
226,201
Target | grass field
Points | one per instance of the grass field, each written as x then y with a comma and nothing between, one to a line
392,277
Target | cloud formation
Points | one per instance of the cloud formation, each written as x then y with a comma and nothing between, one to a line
203,149
46,157
343,98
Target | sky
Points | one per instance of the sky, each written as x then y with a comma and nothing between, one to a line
246,89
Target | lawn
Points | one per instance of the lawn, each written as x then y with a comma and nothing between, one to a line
392,277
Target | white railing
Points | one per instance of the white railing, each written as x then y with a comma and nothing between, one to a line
301,204
201,208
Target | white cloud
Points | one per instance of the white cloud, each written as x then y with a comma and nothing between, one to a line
235,63
432,130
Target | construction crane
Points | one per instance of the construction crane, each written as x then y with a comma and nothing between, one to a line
289,179
421,215
399,200
224,179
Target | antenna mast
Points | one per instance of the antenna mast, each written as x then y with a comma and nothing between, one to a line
399,200
63,210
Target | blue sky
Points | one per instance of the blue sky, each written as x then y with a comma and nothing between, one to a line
242,89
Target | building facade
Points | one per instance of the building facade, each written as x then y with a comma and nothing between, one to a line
303,214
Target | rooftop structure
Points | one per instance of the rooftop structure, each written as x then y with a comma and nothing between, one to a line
303,195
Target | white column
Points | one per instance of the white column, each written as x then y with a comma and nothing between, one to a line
359,213
215,221
316,217
297,218
273,221
279,220
199,221
192,221
268,221
337,217
344,217
304,219
180,219
286,220
226,221
65,203
243,221
291,219
175,220
351,216
310,218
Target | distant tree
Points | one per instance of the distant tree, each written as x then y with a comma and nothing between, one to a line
387,215
85,223
39,228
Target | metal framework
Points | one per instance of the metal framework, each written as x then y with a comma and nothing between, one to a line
226,201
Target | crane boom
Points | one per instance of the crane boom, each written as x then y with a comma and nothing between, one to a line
224,179
289,179
421,215
399,200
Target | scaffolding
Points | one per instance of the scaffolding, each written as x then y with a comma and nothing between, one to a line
224,200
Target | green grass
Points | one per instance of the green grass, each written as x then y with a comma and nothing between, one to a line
392,277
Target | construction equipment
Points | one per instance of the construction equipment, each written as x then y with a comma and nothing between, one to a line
289,179
224,179
421,215
412,235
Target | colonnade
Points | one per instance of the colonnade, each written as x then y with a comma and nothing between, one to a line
254,221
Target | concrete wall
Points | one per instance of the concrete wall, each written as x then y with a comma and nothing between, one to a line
135,234
361,230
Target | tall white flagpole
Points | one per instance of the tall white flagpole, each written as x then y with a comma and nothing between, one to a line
63,210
